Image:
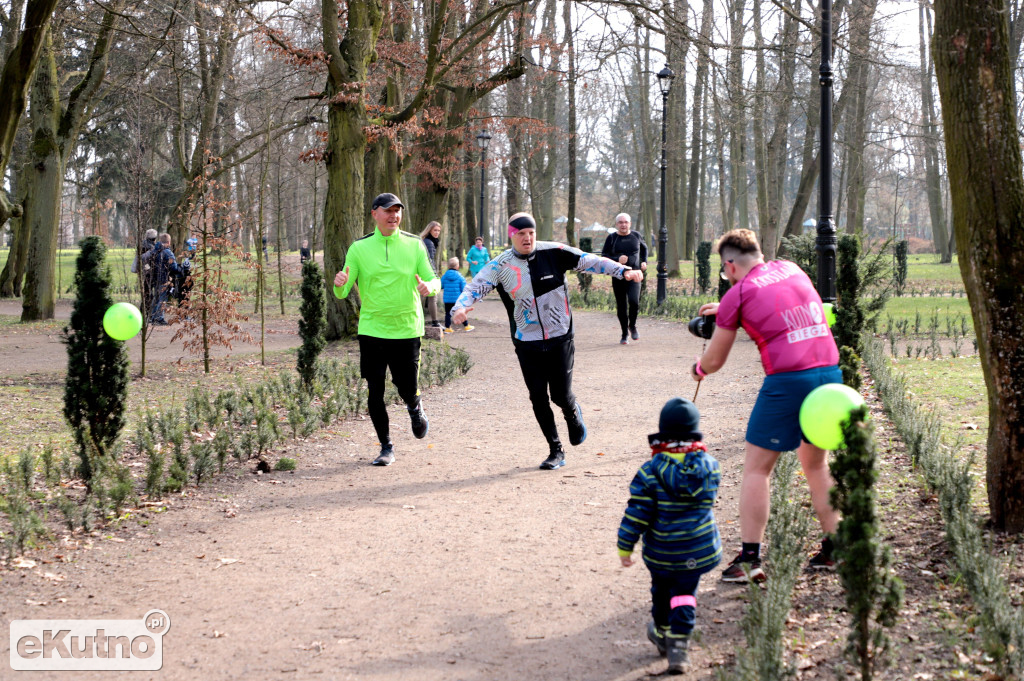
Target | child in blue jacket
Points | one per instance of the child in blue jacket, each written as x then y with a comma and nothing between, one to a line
670,502
452,284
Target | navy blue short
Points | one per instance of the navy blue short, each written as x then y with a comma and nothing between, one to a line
775,421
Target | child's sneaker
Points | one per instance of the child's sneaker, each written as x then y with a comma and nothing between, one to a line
741,572
449,329
656,636
468,327
677,650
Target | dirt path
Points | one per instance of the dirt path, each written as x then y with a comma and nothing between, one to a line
461,561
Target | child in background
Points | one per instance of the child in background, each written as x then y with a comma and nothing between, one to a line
452,284
670,504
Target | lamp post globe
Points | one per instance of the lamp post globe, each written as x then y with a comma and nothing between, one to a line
665,77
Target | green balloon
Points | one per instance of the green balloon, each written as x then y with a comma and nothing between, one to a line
830,314
823,412
122,321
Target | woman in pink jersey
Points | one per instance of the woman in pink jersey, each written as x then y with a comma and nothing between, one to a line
777,306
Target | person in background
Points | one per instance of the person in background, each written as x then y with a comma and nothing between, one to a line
452,285
304,254
477,257
431,236
626,246
144,261
166,268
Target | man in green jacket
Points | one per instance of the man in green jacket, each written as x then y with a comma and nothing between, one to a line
392,271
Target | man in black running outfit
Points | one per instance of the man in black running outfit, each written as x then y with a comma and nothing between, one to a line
627,247
530,278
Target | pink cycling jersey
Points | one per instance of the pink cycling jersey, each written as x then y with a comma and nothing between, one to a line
778,307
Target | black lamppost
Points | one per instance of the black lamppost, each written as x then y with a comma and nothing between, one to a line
826,241
482,140
665,77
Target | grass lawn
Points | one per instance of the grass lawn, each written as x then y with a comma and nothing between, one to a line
238,275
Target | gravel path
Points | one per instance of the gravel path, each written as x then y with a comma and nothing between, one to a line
460,561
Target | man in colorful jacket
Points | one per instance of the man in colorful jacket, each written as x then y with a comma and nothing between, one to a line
530,278
392,271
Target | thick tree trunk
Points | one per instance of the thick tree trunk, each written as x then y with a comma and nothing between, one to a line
55,132
344,208
15,79
975,75
45,181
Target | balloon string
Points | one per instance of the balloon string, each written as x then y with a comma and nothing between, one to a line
703,348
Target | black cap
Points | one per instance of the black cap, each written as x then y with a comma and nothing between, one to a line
386,200
679,422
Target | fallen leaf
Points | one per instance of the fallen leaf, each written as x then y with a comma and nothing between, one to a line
228,561
970,426
408,506
52,577
23,563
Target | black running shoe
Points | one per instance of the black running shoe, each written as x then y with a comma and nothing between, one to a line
577,429
625,340
633,333
822,560
387,455
555,460
420,422
741,571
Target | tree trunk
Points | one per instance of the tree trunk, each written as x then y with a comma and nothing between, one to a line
696,146
13,275
975,75
55,133
861,17
346,145
570,213
15,79
738,204
933,181
45,182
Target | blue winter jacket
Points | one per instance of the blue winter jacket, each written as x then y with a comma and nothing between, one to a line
670,502
452,284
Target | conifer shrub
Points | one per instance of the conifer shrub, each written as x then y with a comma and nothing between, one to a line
96,386
899,275
873,593
704,266
312,322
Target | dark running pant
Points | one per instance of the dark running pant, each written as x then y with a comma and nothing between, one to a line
376,356
626,291
674,603
448,316
547,366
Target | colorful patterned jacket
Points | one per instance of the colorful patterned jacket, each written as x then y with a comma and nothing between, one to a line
533,288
